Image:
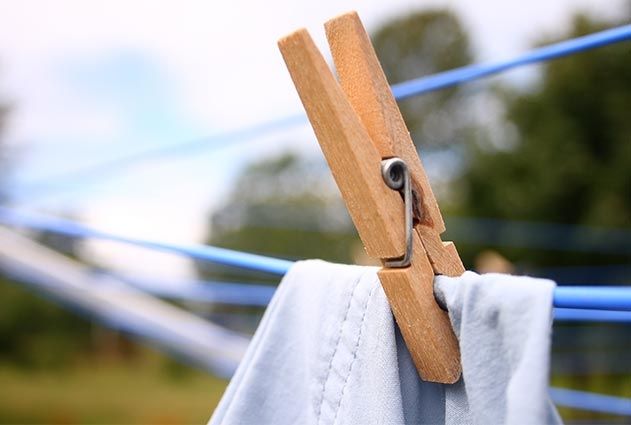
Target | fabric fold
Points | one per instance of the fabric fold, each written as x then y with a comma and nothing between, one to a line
328,351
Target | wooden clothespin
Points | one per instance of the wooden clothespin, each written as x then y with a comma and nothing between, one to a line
375,164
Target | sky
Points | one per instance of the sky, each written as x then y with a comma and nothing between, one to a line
94,81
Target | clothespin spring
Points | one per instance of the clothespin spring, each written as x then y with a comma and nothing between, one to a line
396,175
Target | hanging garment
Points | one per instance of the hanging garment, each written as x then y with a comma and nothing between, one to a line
328,352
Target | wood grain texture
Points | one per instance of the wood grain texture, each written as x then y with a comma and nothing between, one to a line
367,88
424,325
376,210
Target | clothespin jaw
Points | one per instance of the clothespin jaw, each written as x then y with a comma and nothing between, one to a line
358,126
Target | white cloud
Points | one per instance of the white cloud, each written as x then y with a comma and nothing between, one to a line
144,219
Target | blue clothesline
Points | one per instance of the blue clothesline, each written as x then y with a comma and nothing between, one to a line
401,91
583,297
219,292
552,236
224,139
593,402
598,298
584,315
477,71
222,256
259,295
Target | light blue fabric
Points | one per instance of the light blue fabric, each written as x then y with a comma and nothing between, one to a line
328,352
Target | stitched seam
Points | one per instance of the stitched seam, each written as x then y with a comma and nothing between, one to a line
359,337
337,346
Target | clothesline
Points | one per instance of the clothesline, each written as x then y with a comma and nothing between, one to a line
259,295
597,298
584,400
542,54
401,91
466,231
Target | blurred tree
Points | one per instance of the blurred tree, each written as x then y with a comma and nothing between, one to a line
572,159
35,332
68,245
424,43
568,160
285,206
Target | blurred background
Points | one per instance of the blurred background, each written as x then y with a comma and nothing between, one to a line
168,121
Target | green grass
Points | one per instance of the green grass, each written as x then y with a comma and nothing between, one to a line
148,391
151,389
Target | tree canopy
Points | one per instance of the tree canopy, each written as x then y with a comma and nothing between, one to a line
572,159
424,43
287,206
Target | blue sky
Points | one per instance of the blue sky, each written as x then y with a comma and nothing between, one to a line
136,99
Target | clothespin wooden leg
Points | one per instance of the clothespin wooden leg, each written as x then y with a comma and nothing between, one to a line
346,137
366,87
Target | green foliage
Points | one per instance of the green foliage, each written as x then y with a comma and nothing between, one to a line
139,392
572,160
424,43
285,190
287,207
332,246
36,332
